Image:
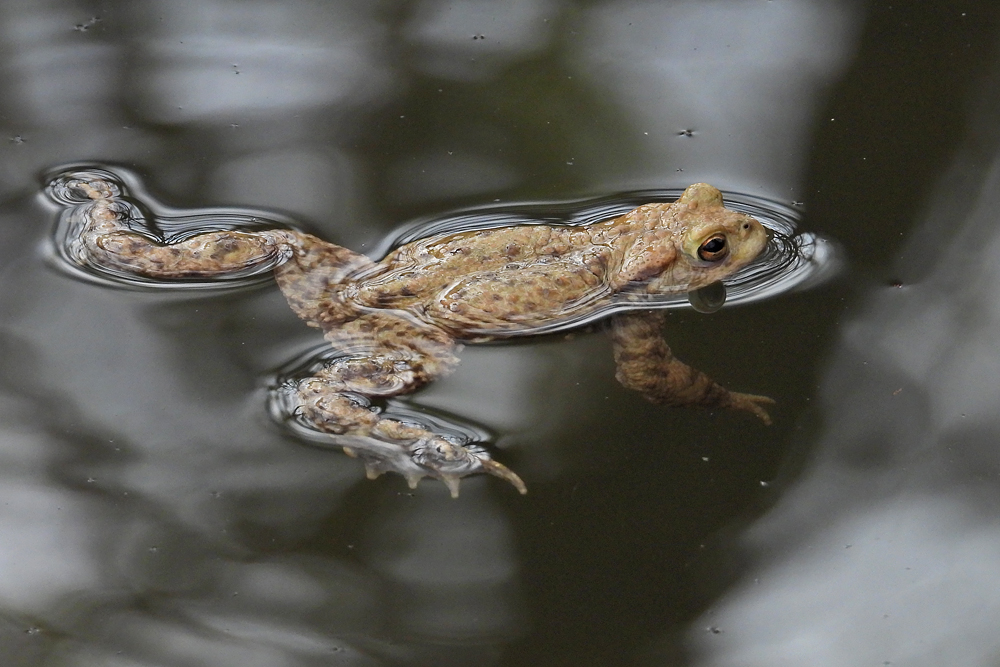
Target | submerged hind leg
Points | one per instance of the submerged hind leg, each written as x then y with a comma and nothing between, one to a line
385,355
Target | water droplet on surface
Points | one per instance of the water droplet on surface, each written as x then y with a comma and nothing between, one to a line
708,299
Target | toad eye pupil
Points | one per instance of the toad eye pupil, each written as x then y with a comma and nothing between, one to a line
713,249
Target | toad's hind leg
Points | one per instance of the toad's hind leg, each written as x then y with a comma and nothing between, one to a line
104,238
385,354
311,278
646,364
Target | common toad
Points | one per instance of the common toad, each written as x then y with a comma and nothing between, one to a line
398,323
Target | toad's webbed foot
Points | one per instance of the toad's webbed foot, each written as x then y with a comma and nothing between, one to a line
750,403
430,456
388,445
450,461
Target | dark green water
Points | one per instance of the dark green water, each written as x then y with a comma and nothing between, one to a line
152,514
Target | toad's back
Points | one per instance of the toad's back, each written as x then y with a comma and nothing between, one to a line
501,279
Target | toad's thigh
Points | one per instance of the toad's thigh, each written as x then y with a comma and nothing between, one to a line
385,354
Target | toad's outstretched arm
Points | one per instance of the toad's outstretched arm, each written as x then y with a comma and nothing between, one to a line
646,364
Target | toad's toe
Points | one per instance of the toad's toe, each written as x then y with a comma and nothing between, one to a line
751,403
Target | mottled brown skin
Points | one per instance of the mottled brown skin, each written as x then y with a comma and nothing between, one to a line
399,323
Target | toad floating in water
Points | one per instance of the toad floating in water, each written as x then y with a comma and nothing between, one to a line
399,323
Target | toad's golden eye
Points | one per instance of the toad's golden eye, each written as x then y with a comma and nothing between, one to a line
713,249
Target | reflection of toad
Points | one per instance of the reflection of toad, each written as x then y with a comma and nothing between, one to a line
398,324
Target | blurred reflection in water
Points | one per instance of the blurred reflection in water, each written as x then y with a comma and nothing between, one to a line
471,40
202,61
886,551
708,78
449,570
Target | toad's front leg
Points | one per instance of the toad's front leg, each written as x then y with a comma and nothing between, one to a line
646,364
387,355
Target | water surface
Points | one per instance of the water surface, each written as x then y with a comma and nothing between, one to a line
154,514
